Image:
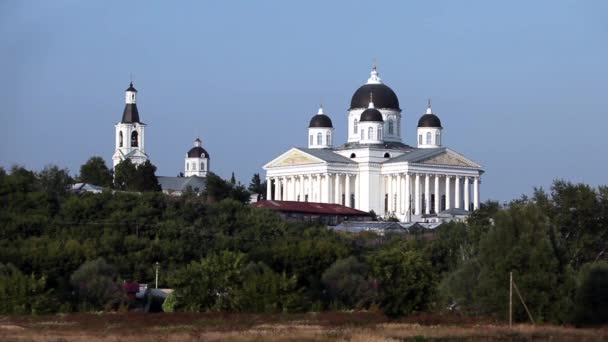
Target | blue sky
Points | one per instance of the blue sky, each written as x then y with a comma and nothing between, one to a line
520,86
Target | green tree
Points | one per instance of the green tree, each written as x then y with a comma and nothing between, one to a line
232,179
145,179
125,175
211,284
349,285
257,187
22,294
591,301
97,285
406,280
519,242
55,181
95,171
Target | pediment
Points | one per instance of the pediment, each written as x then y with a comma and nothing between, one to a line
294,157
448,158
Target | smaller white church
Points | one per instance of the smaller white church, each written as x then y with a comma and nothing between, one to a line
374,169
130,144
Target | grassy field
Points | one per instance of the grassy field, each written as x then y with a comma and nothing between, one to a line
292,327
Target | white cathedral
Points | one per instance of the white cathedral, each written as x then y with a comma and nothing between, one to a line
130,144
374,169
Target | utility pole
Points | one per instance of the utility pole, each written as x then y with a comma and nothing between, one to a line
510,299
156,282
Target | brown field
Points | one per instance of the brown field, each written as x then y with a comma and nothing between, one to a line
334,326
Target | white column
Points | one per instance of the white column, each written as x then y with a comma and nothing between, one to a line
437,197
337,189
399,191
457,192
407,194
285,189
347,190
467,190
447,193
268,188
389,191
427,193
357,192
417,194
301,178
319,188
476,193
277,189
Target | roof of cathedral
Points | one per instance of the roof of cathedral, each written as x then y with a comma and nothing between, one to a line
197,152
131,114
416,154
429,119
384,97
182,183
371,114
327,155
393,145
320,120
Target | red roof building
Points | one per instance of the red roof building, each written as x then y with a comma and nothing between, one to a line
324,213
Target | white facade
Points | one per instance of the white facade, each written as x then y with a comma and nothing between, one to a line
413,184
130,133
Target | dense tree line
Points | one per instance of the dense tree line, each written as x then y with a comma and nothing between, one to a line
65,252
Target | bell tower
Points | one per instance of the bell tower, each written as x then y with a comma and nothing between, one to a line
129,141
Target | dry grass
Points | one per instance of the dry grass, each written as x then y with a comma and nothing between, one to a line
356,327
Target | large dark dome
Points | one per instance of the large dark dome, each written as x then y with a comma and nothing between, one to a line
198,152
429,120
383,97
371,114
321,121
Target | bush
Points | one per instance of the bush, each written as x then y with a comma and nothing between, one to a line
591,301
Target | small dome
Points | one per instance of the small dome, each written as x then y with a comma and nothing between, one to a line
321,121
131,88
198,152
429,119
371,114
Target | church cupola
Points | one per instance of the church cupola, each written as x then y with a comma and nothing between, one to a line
320,131
385,101
197,161
429,129
371,124
130,143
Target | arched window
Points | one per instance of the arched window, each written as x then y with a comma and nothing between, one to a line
362,135
356,126
352,155
387,155
193,166
428,138
391,126
120,139
437,138
328,137
319,138
370,133
419,139
202,167
187,166
379,133
311,140
134,139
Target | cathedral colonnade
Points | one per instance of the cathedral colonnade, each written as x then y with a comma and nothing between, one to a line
338,188
404,193
429,193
